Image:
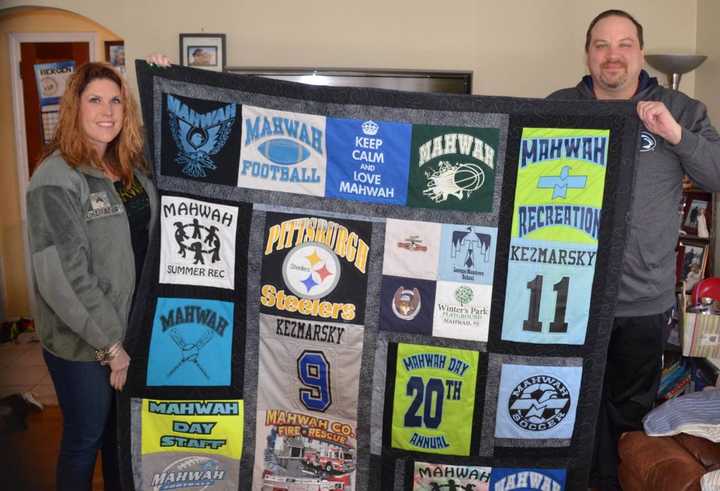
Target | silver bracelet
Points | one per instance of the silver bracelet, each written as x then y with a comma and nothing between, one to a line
107,355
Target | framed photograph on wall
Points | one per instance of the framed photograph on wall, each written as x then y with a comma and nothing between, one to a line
697,213
200,50
692,262
115,54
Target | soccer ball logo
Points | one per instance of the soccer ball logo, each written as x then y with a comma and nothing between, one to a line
539,403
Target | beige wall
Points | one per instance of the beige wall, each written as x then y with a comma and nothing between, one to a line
708,75
708,43
516,48
11,227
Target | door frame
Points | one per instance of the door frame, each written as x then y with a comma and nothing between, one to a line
21,156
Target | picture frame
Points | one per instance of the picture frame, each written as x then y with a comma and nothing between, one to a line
692,260
204,51
697,206
115,54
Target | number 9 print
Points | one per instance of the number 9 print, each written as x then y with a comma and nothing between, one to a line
313,371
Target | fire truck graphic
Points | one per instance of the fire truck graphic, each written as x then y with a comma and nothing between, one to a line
335,459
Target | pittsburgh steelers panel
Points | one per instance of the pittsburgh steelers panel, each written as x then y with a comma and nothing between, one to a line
300,450
467,253
200,139
412,249
197,242
368,160
283,151
523,479
438,477
309,365
549,286
560,185
452,168
434,399
537,402
406,305
315,267
191,343
462,311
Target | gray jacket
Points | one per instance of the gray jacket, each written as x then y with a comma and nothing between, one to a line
82,257
648,281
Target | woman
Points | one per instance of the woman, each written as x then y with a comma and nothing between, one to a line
90,208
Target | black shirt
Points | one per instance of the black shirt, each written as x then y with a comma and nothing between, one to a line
137,208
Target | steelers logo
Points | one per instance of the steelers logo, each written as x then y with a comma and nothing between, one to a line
311,270
539,403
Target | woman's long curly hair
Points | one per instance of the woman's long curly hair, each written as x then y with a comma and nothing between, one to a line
124,153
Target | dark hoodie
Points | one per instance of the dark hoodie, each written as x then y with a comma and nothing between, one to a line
648,281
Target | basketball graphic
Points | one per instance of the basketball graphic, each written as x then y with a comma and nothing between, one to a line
459,181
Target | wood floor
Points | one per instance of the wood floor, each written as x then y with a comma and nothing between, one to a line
28,458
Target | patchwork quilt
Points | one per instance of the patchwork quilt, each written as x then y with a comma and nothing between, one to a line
353,289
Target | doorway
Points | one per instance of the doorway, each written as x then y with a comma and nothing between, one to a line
38,126
26,50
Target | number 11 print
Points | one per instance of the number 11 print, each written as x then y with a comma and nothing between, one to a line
532,323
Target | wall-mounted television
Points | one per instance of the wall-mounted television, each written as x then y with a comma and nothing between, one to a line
452,82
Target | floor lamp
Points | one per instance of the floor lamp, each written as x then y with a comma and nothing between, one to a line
674,66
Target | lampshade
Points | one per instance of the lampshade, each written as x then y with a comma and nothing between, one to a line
675,65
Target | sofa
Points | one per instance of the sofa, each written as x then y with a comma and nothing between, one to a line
665,463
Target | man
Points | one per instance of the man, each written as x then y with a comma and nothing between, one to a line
676,138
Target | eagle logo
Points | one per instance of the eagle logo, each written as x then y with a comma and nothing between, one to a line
406,303
199,136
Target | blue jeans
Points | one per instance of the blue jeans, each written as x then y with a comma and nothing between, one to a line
87,402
